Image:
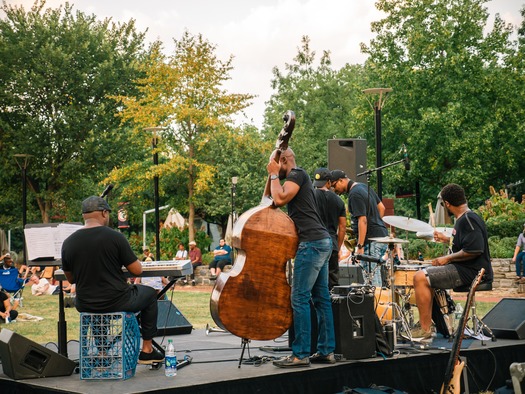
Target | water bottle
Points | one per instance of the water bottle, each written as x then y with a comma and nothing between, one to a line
170,361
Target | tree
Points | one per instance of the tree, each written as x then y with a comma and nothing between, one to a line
455,93
57,69
183,93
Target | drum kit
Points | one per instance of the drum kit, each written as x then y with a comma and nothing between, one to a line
396,307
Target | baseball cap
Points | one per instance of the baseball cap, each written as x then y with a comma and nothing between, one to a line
321,176
338,174
94,203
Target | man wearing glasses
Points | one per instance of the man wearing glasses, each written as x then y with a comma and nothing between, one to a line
93,257
469,253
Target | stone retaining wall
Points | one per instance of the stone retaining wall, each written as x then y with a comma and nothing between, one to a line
504,274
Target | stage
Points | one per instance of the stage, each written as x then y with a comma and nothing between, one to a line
214,369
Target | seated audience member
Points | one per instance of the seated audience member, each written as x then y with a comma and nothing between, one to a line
7,313
157,282
9,278
146,253
182,253
195,256
222,258
40,286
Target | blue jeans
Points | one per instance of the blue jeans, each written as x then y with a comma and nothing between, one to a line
310,280
520,264
376,249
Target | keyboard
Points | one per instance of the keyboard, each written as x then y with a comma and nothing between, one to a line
176,268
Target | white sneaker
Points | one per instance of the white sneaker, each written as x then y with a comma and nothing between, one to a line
7,320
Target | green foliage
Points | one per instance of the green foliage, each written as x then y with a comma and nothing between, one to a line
57,68
429,250
171,237
502,247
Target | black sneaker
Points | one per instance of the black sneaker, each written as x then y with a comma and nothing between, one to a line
149,358
320,359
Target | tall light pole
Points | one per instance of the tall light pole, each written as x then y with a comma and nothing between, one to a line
377,107
22,159
234,192
154,142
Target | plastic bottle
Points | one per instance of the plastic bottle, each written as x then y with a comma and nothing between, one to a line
170,361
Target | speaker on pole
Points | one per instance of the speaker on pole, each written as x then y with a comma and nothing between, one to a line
25,359
349,155
507,318
170,321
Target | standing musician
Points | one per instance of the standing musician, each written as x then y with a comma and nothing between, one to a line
367,211
470,253
92,258
310,273
333,214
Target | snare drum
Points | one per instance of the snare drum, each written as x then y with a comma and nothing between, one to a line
404,274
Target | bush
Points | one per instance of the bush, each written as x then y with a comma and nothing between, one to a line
502,248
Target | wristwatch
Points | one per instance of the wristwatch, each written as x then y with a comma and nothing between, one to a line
274,177
359,246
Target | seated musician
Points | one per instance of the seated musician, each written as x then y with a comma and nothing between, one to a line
469,253
92,259
222,257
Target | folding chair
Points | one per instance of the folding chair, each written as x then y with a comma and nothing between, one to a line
12,284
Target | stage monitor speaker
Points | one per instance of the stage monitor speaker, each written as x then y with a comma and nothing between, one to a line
170,321
349,155
25,359
355,336
507,318
350,274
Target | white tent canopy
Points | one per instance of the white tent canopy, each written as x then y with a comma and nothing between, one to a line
174,219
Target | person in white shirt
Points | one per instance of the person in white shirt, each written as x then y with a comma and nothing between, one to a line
182,253
42,287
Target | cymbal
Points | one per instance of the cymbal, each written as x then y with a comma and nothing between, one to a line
389,240
408,224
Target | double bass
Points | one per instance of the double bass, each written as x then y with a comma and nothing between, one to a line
252,300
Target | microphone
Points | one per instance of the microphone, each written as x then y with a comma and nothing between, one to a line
371,259
406,160
107,190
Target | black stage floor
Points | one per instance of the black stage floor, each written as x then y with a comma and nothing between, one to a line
215,370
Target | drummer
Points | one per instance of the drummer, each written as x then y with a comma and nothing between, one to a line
470,253
365,224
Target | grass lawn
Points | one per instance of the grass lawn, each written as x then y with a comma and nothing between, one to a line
194,305
192,302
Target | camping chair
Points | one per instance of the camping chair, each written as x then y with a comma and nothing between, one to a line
11,283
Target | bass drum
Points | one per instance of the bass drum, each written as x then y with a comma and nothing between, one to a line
443,308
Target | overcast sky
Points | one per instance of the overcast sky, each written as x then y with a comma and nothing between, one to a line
260,34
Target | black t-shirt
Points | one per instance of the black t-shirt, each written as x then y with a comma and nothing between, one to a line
331,208
303,208
95,257
470,235
357,202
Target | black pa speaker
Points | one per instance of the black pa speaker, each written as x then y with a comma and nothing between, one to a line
348,155
350,274
25,359
507,318
355,335
170,321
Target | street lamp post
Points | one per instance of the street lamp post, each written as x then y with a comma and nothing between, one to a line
154,142
377,107
22,160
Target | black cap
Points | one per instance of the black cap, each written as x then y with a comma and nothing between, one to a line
95,203
321,176
338,174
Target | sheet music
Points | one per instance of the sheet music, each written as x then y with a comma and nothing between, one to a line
46,242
